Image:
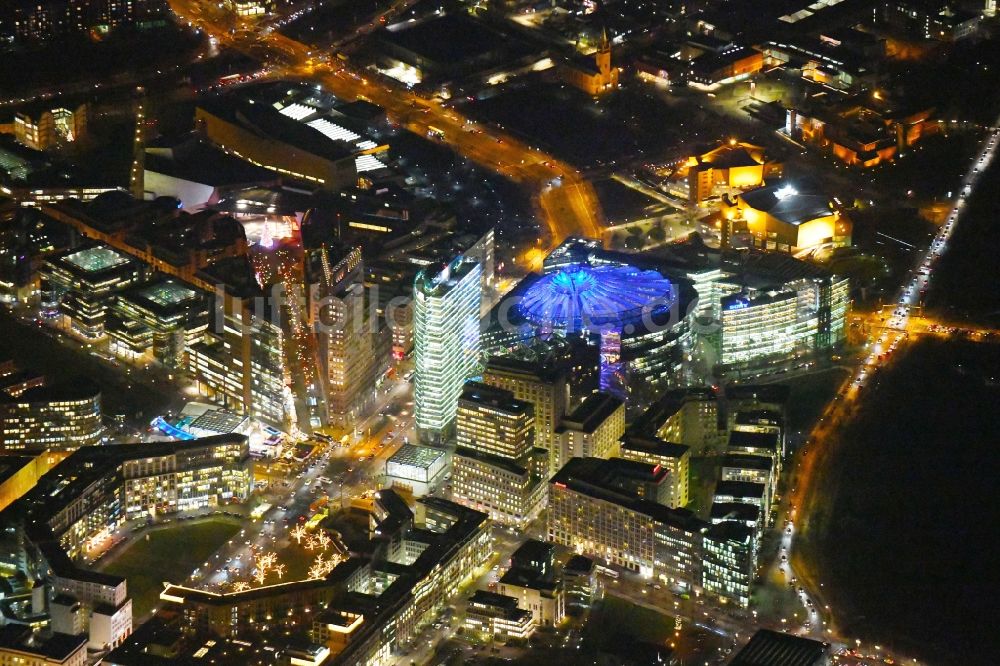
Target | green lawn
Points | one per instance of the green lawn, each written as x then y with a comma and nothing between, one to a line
615,617
169,554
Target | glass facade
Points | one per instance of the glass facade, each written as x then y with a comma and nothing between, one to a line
446,338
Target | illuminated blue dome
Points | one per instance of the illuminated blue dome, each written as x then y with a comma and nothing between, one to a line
581,296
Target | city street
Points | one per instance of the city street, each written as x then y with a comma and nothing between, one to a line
566,202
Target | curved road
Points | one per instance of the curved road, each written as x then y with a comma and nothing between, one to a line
566,202
884,341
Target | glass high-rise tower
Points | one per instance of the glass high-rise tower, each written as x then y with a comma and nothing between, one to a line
446,341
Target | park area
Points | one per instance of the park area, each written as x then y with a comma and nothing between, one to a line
166,554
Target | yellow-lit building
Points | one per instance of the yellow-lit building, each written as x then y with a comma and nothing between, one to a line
546,389
675,458
250,8
19,474
594,77
733,165
490,614
863,130
593,429
20,645
591,512
780,217
48,128
494,470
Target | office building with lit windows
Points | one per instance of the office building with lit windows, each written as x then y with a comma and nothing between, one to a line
595,513
493,421
729,561
446,342
496,469
690,417
355,346
593,429
674,458
770,325
174,314
546,388
98,489
490,614
63,417
241,361
84,281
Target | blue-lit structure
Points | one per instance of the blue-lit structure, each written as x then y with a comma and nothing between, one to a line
582,297
637,316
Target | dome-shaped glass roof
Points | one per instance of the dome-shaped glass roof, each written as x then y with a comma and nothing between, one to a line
582,296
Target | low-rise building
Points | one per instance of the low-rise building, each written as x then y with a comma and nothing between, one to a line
788,218
492,614
767,646
20,645
580,583
417,470
532,580
542,596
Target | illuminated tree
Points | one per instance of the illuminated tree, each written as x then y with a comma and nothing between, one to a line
323,540
319,568
298,533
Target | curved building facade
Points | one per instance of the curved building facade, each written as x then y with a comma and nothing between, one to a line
639,318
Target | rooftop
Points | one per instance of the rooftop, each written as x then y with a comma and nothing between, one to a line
417,456
56,647
730,530
494,599
772,648
754,440
786,203
739,489
67,391
582,296
654,446
96,259
167,293
745,461
760,392
591,413
735,511
484,394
